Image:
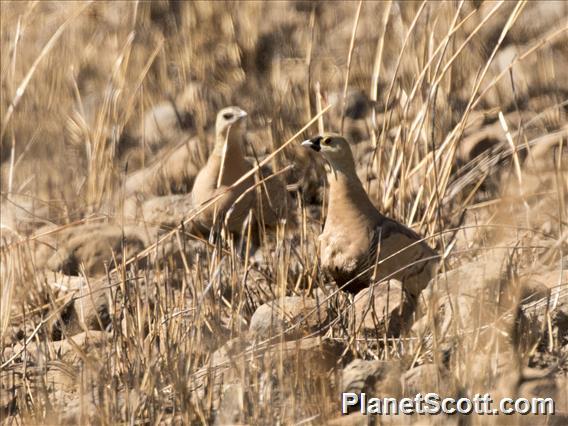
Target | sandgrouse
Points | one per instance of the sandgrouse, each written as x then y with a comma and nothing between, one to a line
355,231
225,166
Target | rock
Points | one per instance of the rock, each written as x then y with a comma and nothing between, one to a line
424,379
372,377
87,344
562,395
231,407
223,356
88,309
539,282
478,139
558,419
168,210
170,121
61,376
61,283
560,320
8,393
353,419
313,356
80,409
57,377
477,143
320,353
383,308
540,289
383,379
222,370
306,362
532,383
459,298
481,371
21,213
357,110
536,383
163,123
293,316
95,246
173,172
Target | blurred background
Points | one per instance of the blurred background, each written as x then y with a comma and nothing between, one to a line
457,115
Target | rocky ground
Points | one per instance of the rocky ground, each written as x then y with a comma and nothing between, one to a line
114,310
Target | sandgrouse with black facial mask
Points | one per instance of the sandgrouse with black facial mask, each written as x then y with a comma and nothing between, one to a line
359,246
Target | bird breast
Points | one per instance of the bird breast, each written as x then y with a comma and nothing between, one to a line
342,248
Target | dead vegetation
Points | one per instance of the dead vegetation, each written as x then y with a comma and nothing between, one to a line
114,310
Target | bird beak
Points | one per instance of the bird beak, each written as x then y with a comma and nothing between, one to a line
313,143
242,114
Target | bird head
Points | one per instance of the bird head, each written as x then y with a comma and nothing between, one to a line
229,128
335,149
231,117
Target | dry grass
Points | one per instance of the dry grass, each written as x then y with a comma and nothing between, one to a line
464,138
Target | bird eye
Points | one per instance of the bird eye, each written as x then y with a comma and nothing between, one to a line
227,116
325,141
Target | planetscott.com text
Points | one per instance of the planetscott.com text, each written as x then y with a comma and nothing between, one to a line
431,403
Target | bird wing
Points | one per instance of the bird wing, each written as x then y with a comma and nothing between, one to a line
274,201
402,254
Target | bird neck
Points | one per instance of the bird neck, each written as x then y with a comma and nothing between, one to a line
347,197
228,150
